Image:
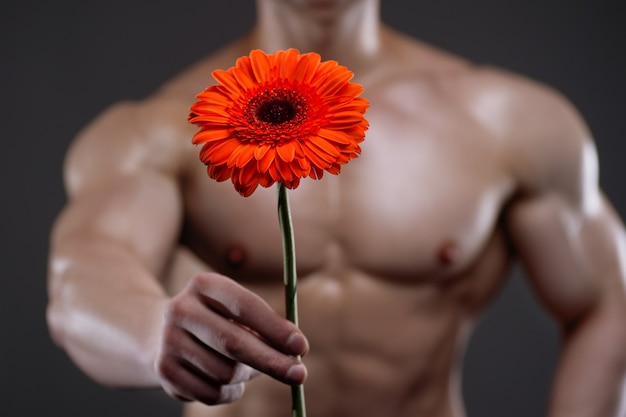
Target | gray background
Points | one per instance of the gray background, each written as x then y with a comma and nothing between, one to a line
62,62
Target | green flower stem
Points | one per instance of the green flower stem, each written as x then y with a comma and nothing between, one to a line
291,282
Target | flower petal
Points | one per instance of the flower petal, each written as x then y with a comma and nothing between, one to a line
273,171
243,78
283,168
261,150
266,180
246,190
227,81
335,136
246,176
244,69
213,118
246,155
313,153
306,67
289,63
220,152
286,151
260,65
278,117
335,82
212,96
219,172
263,164
316,173
305,165
210,135
291,184
334,169
326,146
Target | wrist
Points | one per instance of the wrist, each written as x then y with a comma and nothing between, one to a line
150,341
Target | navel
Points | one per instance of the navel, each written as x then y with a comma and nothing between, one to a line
235,256
448,253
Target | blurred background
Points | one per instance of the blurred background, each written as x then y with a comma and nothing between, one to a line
63,62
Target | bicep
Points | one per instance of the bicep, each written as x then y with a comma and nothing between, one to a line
574,257
139,213
567,236
120,176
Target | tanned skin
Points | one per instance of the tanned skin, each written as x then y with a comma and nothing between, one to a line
464,169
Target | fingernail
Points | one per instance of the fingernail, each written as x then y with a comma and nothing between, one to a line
297,373
297,344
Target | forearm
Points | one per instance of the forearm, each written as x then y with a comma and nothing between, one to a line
590,375
105,310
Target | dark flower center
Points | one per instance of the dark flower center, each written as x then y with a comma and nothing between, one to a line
276,111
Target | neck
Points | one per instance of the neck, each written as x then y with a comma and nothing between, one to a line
349,33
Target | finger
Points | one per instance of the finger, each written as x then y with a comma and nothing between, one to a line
190,371
182,382
240,345
227,338
233,301
211,365
178,343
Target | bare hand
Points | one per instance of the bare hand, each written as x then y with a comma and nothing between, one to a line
218,335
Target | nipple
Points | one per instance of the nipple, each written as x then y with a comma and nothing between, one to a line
448,253
235,256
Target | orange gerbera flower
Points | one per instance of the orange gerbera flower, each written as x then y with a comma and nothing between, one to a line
278,118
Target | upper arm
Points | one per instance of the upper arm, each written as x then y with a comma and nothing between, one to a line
574,259
570,240
121,178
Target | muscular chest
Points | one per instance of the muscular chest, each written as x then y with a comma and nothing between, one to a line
424,196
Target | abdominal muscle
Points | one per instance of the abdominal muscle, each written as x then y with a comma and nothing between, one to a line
378,347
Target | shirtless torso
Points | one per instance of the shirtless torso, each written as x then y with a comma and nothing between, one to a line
385,300
396,256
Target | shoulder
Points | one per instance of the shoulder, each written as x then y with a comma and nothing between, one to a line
516,100
128,138
149,135
546,142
